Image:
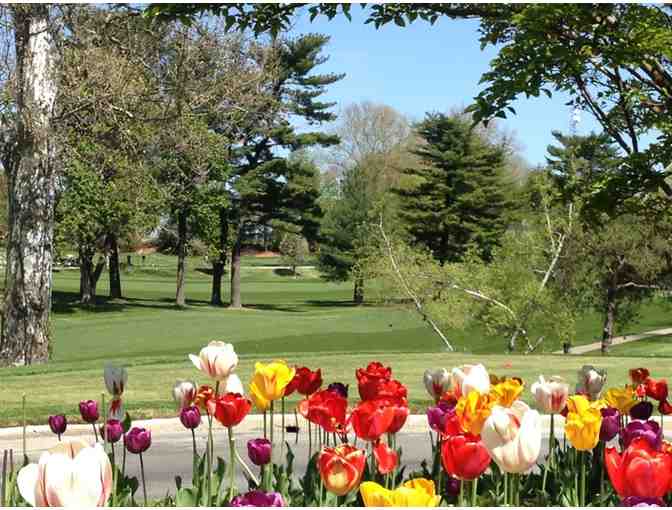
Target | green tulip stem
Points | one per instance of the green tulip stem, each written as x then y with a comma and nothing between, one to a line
272,444
247,469
95,432
114,476
265,425
461,492
474,491
194,457
506,489
282,432
583,478
142,474
209,460
123,464
310,441
25,450
232,464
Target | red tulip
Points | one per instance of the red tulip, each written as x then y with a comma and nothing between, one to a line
308,381
374,370
401,412
464,456
373,389
639,471
231,408
371,419
386,458
341,468
639,375
291,387
326,409
656,390
665,408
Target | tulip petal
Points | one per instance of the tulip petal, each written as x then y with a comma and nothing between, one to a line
374,494
196,361
234,385
27,482
87,484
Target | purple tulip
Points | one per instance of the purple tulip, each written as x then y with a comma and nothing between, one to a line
611,423
649,430
259,451
638,501
453,486
438,414
112,431
259,499
58,424
138,440
190,417
89,411
641,411
339,388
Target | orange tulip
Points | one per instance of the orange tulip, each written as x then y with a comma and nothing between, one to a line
473,409
341,468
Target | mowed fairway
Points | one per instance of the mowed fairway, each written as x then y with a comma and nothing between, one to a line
304,320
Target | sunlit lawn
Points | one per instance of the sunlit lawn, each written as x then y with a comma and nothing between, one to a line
303,320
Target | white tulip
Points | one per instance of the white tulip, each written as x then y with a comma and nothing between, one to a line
470,378
437,382
217,360
234,385
184,393
512,435
551,395
115,379
72,474
591,381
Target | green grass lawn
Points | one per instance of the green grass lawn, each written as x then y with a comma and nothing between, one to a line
646,348
303,320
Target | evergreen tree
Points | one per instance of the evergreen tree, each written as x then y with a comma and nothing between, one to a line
268,188
457,197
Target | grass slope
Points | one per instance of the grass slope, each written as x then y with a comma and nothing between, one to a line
303,320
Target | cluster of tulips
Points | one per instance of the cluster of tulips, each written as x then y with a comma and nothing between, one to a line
486,441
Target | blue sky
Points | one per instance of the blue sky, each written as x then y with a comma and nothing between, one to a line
423,68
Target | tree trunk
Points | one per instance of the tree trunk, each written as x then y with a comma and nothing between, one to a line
181,257
218,265
115,274
87,292
609,320
31,193
235,271
358,291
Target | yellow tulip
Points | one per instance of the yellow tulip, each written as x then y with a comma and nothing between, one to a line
269,382
505,393
583,422
472,411
622,399
418,492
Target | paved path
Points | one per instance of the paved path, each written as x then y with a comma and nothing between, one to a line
170,453
617,340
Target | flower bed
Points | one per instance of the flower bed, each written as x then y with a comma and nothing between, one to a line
486,442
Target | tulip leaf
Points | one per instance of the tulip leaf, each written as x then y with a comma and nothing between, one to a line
186,497
126,424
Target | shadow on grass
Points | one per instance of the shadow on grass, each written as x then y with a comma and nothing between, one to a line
68,302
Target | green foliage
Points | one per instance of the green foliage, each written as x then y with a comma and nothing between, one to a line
456,198
294,250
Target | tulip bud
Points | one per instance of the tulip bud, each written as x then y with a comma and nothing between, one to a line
89,411
58,424
258,499
437,416
641,411
184,393
112,431
610,423
138,440
259,451
190,417
648,430
437,382
115,380
453,486
591,381
339,388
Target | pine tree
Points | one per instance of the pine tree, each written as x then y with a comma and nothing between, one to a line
457,198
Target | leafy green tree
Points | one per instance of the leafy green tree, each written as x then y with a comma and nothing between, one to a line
456,198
